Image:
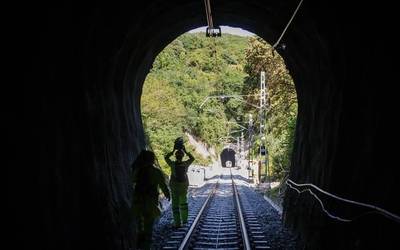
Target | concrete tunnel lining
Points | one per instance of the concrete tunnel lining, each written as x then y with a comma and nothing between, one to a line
92,130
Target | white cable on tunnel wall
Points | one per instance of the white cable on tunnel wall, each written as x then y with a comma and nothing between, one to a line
320,202
376,209
287,25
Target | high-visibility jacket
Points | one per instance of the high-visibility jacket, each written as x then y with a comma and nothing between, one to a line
147,180
179,169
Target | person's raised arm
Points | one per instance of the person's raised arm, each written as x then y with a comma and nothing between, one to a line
191,158
167,157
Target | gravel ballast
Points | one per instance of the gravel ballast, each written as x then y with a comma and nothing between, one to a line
278,236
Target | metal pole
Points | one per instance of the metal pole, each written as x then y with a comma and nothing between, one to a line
238,144
262,115
242,146
266,129
250,141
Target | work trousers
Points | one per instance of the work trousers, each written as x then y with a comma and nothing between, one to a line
145,229
179,202
146,211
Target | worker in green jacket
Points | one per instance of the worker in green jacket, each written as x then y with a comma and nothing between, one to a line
147,179
179,182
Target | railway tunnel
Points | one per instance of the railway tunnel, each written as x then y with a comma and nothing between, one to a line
84,66
227,157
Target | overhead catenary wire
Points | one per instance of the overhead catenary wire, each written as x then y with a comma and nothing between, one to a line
228,96
376,209
287,25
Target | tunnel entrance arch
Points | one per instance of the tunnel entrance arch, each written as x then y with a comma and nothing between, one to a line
238,14
309,58
108,50
228,158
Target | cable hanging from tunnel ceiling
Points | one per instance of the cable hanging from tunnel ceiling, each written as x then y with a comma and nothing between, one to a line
211,30
287,25
208,14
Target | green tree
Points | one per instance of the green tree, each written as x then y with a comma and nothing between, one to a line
282,101
188,70
193,67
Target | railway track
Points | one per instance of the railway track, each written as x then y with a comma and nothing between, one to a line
223,221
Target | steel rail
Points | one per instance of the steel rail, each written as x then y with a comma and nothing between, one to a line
245,237
186,241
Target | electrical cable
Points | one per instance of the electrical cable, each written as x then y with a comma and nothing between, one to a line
287,25
208,14
320,202
378,210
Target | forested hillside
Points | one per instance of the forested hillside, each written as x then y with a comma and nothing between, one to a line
194,67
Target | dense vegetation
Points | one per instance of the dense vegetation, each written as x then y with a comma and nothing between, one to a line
282,103
194,67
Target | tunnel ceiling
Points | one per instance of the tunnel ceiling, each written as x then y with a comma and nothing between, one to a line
84,66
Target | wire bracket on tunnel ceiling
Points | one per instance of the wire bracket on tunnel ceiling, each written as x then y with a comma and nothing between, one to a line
211,31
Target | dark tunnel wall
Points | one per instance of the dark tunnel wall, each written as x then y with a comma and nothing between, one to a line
83,67
228,154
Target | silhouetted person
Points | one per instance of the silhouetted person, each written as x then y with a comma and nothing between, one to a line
179,182
147,178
